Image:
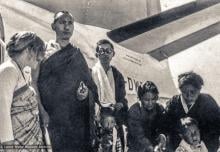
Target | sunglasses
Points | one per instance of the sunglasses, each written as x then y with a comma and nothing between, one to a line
102,51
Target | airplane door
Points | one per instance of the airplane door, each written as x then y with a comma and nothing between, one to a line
2,39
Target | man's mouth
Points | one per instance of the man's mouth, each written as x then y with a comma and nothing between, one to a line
196,142
66,32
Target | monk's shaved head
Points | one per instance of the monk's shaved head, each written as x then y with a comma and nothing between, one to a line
61,14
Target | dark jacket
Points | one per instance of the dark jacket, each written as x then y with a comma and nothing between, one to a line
144,127
120,94
205,111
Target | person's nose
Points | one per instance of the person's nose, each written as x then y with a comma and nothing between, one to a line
150,102
195,137
66,27
189,94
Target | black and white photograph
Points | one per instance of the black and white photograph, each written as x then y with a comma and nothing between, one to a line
109,76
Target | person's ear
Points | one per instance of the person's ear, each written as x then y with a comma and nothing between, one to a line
27,53
32,54
113,53
97,55
157,98
53,26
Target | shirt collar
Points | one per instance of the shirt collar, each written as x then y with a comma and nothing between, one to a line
185,107
190,147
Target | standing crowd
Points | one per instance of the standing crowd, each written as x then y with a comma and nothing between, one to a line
86,110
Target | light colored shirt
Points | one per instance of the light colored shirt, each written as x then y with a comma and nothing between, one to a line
185,147
52,47
105,84
111,80
11,79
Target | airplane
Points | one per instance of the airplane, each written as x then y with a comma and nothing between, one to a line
150,43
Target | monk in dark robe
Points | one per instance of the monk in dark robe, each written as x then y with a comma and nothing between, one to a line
67,90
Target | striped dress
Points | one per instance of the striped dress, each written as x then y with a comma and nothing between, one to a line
25,134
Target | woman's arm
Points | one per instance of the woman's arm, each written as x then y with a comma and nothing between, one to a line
8,81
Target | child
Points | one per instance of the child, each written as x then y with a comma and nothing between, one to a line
145,121
108,132
190,134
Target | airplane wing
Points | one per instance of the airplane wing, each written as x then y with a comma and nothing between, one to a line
187,38
108,14
170,32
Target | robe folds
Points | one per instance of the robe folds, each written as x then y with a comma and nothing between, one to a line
70,119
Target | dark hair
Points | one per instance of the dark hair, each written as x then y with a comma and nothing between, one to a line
190,78
106,111
22,40
57,16
103,41
148,86
185,122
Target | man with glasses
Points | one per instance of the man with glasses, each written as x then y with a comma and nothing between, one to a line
110,84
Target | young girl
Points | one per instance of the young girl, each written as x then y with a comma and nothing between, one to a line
145,120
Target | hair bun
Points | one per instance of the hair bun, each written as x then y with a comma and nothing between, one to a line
19,41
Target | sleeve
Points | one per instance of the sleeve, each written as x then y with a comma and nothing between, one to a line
212,111
161,120
170,115
88,77
180,149
121,97
136,130
123,92
8,81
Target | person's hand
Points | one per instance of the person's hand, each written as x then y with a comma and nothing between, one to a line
1,147
118,106
158,148
218,144
161,147
82,91
45,119
150,149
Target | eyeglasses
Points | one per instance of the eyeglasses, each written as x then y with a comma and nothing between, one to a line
107,51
